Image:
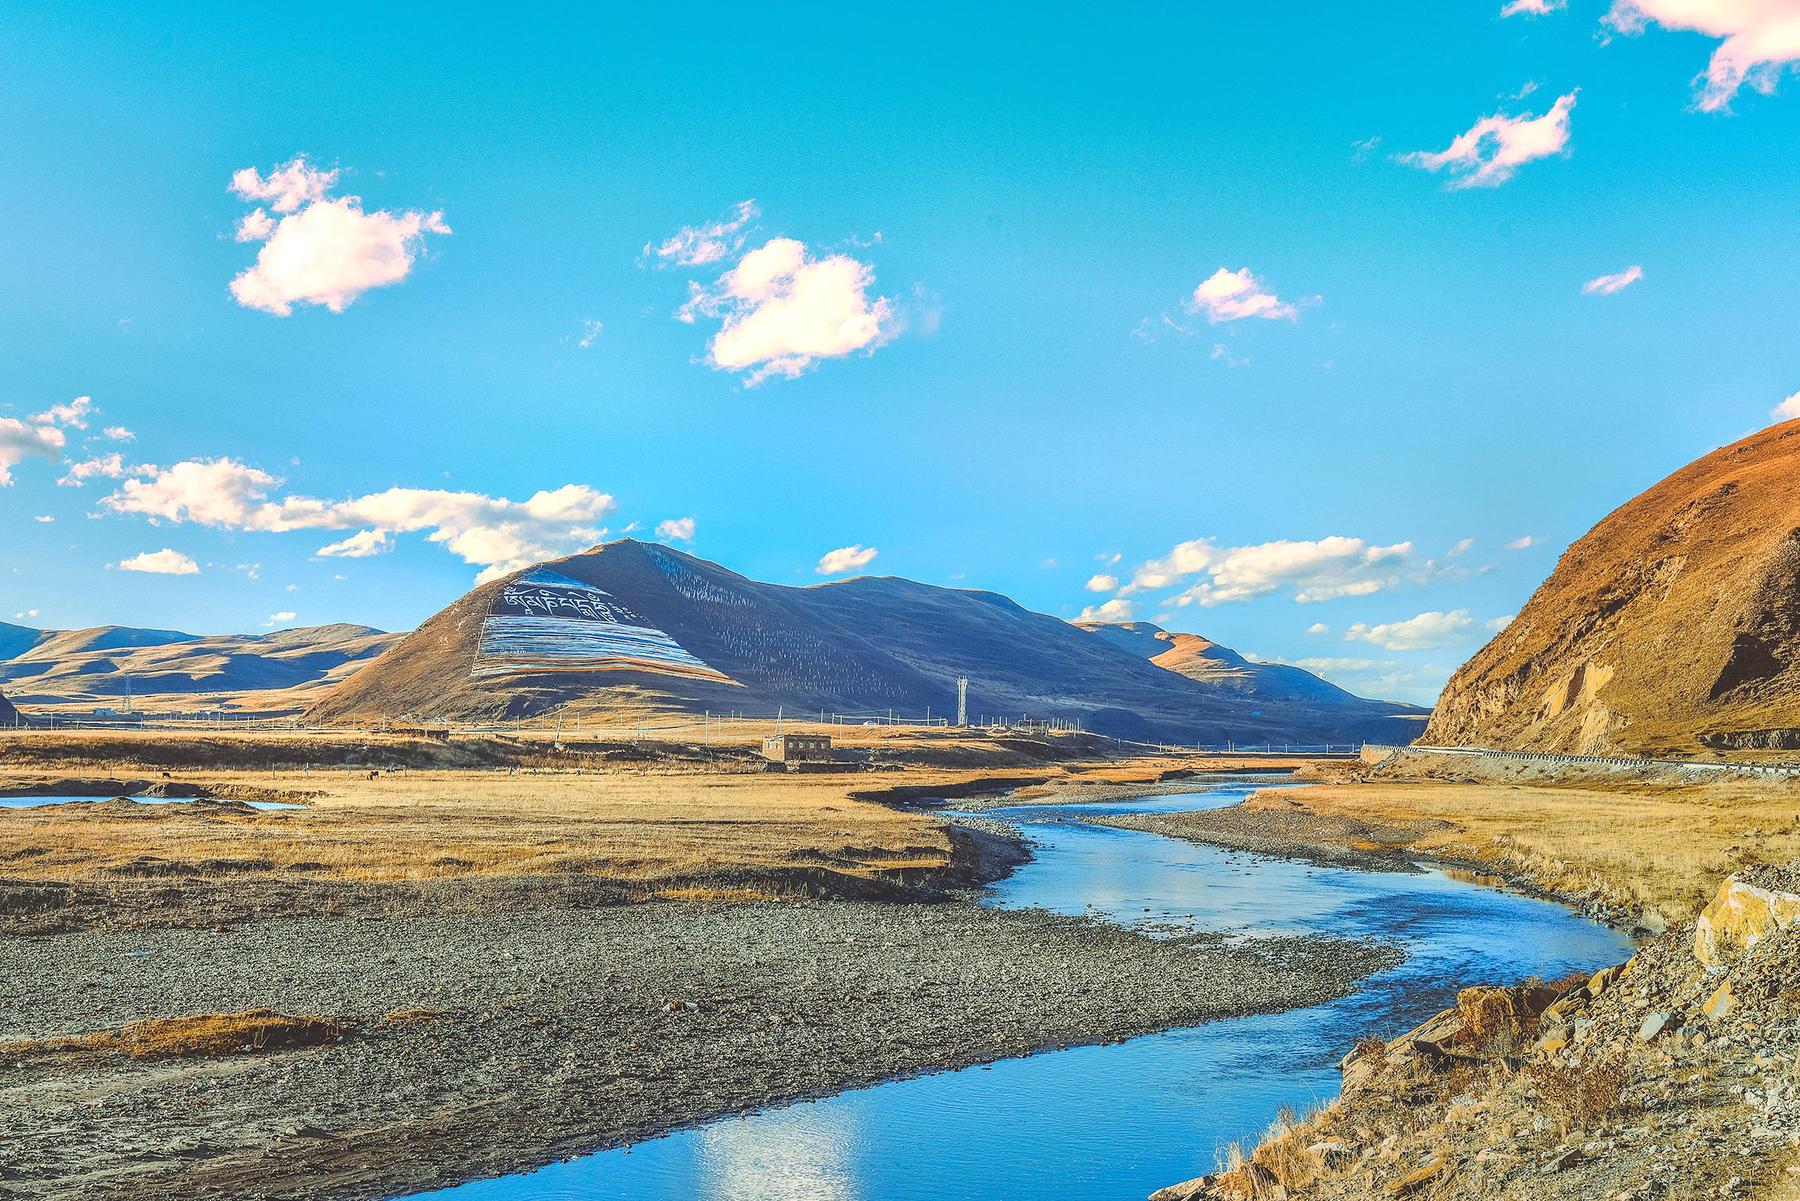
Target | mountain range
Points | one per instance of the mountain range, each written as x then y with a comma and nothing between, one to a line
633,628
1670,628
71,671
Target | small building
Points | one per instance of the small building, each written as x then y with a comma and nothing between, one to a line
798,748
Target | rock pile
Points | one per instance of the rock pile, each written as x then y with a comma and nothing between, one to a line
1671,1075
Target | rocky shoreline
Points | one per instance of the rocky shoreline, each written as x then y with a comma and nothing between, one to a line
502,1038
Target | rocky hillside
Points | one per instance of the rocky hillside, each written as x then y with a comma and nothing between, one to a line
70,671
635,627
1672,627
1668,1076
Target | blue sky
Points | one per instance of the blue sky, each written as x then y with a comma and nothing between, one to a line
958,326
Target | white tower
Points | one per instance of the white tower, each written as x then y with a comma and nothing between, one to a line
962,700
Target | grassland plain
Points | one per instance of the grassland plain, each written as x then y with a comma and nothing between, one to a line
465,959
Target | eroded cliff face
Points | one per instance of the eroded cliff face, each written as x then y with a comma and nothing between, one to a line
1672,627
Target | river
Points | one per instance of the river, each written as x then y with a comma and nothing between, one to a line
1109,1123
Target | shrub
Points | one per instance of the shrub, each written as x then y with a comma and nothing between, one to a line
1578,1096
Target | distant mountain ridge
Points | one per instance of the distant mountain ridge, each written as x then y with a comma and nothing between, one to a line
1207,661
99,667
633,626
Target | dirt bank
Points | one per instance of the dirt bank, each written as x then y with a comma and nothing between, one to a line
540,1034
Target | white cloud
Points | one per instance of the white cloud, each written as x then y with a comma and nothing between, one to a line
681,528
1492,150
1234,295
26,613
44,519
702,245
845,558
285,617
160,562
1103,583
40,436
111,467
1496,624
1607,285
782,310
1787,410
1317,628
119,433
495,533
1461,548
1116,609
287,188
1524,542
322,250
363,544
1759,39
1428,631
1312,570
590,332
1533,8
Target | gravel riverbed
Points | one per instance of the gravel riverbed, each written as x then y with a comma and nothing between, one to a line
551,1031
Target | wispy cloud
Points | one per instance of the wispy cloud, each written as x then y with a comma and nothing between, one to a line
1533,8
703,245
1618,281
1492,150
495,533
1760,39
318,249
1430,630
1787,410
1523,542
1308,571
41,436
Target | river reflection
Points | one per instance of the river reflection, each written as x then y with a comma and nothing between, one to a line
1109,1123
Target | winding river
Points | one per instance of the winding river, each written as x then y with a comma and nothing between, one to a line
1108,1123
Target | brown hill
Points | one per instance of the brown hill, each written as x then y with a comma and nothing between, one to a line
1670,627
9,716
66,672
1212,663
635,627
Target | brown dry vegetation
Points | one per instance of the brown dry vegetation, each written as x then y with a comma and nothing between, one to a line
1632,849
663,827
191,1035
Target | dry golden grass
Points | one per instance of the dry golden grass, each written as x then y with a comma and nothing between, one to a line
189,1036
424,825
1663,850
675,829
680,833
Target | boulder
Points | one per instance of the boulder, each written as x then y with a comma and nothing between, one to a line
1187,1190
1739,917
